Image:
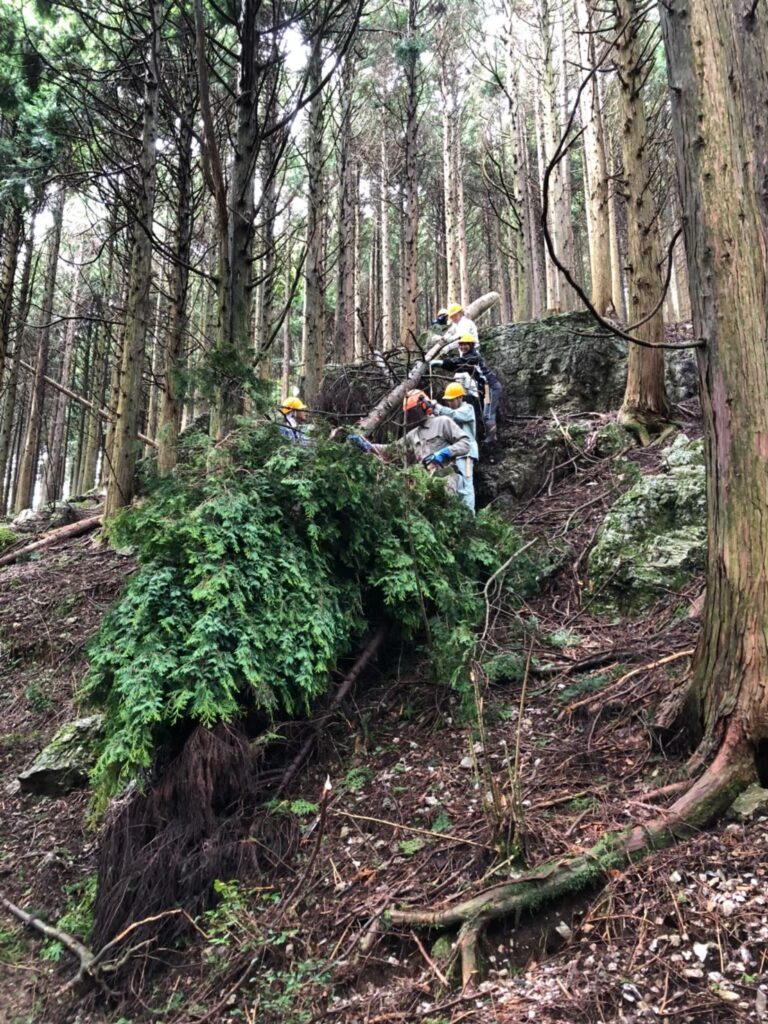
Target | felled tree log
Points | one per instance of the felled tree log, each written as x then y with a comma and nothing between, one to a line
62,533
393,399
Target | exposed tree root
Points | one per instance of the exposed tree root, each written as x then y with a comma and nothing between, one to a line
93,966
62,533
732,770
649,429
199,822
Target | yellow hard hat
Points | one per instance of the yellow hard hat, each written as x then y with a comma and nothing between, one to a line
292,404
455,308
454,390
467,339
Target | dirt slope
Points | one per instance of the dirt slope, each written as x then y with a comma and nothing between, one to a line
421,810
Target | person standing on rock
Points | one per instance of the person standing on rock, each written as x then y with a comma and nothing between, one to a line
461,412
470,362
460,324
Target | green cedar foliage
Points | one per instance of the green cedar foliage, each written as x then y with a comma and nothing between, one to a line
255,579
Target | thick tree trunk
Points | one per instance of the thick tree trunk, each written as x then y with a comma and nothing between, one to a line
409,327
273,149
595,168
53,477
450,196
155,358
9,398
719,87
12,242
344,327
233,355
124,452
314,265
461,224
560,295
645,407
534,238
169,421
25,481
387,336
617,260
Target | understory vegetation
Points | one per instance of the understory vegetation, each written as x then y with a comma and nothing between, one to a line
256,578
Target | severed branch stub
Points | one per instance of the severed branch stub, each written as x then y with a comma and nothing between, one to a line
92,965
702,803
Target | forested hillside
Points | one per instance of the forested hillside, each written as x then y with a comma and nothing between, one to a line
383,573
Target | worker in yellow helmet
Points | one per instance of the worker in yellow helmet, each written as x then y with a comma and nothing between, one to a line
460,324
294,414
456,407
434,440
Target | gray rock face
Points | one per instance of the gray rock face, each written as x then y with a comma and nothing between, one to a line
754,799
654,537
60,513
516,470
568,364
65,763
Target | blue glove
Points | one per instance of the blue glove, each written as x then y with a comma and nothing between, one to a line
438,458
361,442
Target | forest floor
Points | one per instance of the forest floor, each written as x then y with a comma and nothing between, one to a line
421,812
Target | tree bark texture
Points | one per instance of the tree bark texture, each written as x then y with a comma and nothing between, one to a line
12,242
450,193
124,452
314,265
25,481
409,328
344,327
719,87
560,294
53,476
595,167
9,398
645,399
387,336
169,420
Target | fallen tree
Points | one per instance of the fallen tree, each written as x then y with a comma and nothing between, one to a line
53,537
393,399
255,583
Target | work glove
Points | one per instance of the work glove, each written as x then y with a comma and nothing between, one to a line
437,458
362,443
436,362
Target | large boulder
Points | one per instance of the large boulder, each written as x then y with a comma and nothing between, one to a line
568,364
67,760
654,538
515,469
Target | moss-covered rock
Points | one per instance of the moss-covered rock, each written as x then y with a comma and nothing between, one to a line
516,469
67,760
654,538
567,364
